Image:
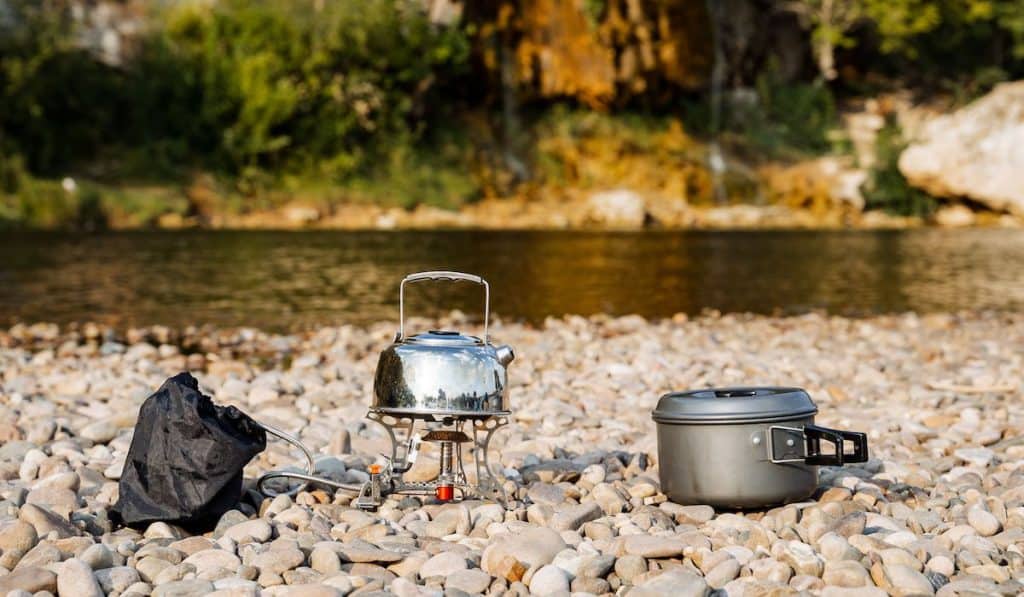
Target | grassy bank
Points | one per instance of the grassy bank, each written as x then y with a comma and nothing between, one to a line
559,157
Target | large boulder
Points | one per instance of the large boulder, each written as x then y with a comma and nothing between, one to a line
620,208
976,152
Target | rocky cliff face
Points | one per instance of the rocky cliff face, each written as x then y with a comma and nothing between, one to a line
593,52
976,152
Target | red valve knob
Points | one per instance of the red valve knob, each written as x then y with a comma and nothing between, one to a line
445,493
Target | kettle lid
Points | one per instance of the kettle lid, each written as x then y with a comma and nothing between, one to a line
443,338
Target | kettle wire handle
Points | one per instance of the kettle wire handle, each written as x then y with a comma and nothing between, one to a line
442,275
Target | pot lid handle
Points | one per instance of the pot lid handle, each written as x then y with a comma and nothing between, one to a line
441,275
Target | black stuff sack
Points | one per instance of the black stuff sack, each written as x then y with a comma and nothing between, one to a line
184,466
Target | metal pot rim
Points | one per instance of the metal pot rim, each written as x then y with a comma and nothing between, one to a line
445,338
724,406
781,418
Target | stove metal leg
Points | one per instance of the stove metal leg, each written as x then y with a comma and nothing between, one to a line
488,483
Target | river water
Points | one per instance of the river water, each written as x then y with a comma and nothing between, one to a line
290,280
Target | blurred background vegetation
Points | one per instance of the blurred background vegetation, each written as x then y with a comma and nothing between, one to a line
202,106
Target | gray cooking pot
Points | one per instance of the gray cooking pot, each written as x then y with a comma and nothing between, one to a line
746,447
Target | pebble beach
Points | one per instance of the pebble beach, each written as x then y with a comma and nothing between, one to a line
937,509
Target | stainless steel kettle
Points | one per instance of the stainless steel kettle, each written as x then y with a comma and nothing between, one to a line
442,373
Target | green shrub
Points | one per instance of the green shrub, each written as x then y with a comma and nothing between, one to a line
44,204
936,44
788,119
285,87
410,177
236,87
887,189
57,103
775,119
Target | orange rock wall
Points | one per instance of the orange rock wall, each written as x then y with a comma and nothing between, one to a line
597,52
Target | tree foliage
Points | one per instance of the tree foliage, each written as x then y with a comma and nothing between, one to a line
830,22
56,101
237,86
264,90
948,38
289,87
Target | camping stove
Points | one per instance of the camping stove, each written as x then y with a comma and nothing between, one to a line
445,388
452,482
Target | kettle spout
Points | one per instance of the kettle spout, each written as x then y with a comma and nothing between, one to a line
505,354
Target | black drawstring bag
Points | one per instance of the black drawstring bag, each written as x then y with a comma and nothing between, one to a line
185,463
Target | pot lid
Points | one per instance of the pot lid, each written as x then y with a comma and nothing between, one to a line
443,338
727,405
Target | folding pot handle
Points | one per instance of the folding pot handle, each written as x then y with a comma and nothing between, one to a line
782,445
814,436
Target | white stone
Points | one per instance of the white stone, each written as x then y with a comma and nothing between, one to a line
980,457
975,152
117,578
549,580
258,530
533,547
955,216
983,521
619,208
208,560
676,582
443,564
76,578
471,581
